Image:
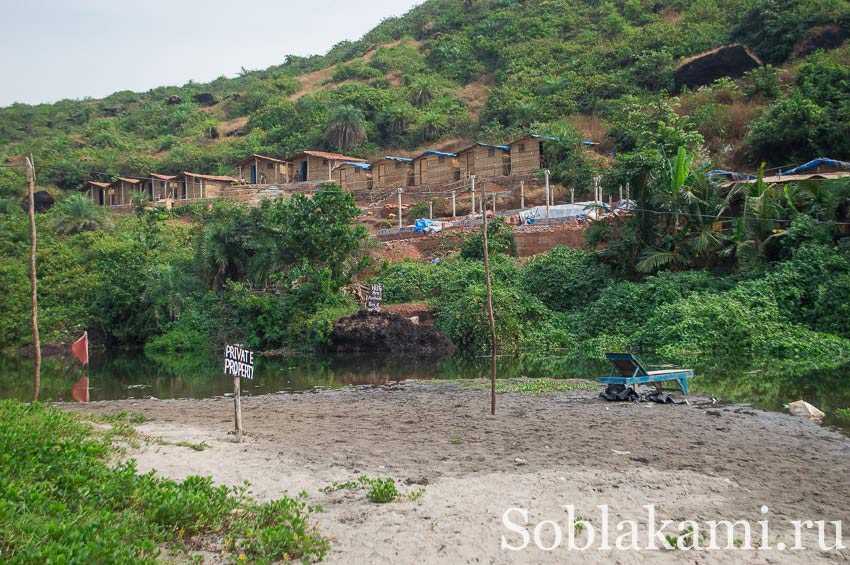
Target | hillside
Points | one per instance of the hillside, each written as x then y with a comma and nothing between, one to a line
451,71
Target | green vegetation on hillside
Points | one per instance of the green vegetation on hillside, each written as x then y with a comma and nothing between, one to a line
267,276
483,69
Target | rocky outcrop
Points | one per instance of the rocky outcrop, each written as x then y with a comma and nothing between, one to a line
205,99
823,37
385,332
43,202
727,61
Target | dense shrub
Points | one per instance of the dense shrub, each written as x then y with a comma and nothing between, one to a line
500,240
565,279
708,325
64,499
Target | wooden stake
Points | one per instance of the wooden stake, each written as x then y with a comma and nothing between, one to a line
400,222
472,187
237,408
522,194
33,281
489,306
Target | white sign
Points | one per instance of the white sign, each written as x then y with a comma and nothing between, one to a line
238,362
376,296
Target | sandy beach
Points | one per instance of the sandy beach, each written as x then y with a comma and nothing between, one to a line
696,462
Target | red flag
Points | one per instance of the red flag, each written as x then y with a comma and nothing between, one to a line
80,392
80,349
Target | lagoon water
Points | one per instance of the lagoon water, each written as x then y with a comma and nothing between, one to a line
128,375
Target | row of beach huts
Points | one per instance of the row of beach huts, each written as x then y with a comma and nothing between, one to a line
430,171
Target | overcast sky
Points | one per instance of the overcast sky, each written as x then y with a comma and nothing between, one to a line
57,49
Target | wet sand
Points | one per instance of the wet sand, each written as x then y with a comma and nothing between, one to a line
694,462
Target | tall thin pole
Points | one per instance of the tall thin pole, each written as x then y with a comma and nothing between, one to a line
400,223
489,307
454,204
548,203
522,194
430,209
472,181
33,282
237,408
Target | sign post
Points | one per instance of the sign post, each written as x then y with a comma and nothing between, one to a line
376,296
238,363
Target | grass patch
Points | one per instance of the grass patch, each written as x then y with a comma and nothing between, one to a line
377,490
535,387
63,500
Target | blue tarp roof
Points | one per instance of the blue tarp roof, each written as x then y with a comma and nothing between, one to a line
816,163
502,147
547,138
402,159
440,153
364,166
731,175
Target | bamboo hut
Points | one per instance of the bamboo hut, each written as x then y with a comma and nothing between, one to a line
192,186
527,155
353,177
316,165
121,191
261,170
98,192
435,169
484,160
393,172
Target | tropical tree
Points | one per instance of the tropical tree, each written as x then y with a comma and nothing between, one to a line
689,205
422,91
759,220
77,214
346,127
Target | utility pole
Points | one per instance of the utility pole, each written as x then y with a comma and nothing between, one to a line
454,204
430,209
33,282
400,223
492,318
472,180
522,194
547,196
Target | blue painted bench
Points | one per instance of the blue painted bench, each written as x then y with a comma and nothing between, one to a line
631,372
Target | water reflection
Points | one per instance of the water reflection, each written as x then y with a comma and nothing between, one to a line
133,375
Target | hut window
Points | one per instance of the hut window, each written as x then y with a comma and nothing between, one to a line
356,170
324,161
270,166
522,147
397,164
441,159
491,152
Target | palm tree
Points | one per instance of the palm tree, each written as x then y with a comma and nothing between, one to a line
422,91
432,126
691,204
759,221
395,120
77,214
346,127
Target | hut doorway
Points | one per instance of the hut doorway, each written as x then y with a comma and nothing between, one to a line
253,174
303,171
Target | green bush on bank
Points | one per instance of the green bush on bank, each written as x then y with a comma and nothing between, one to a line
63,500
